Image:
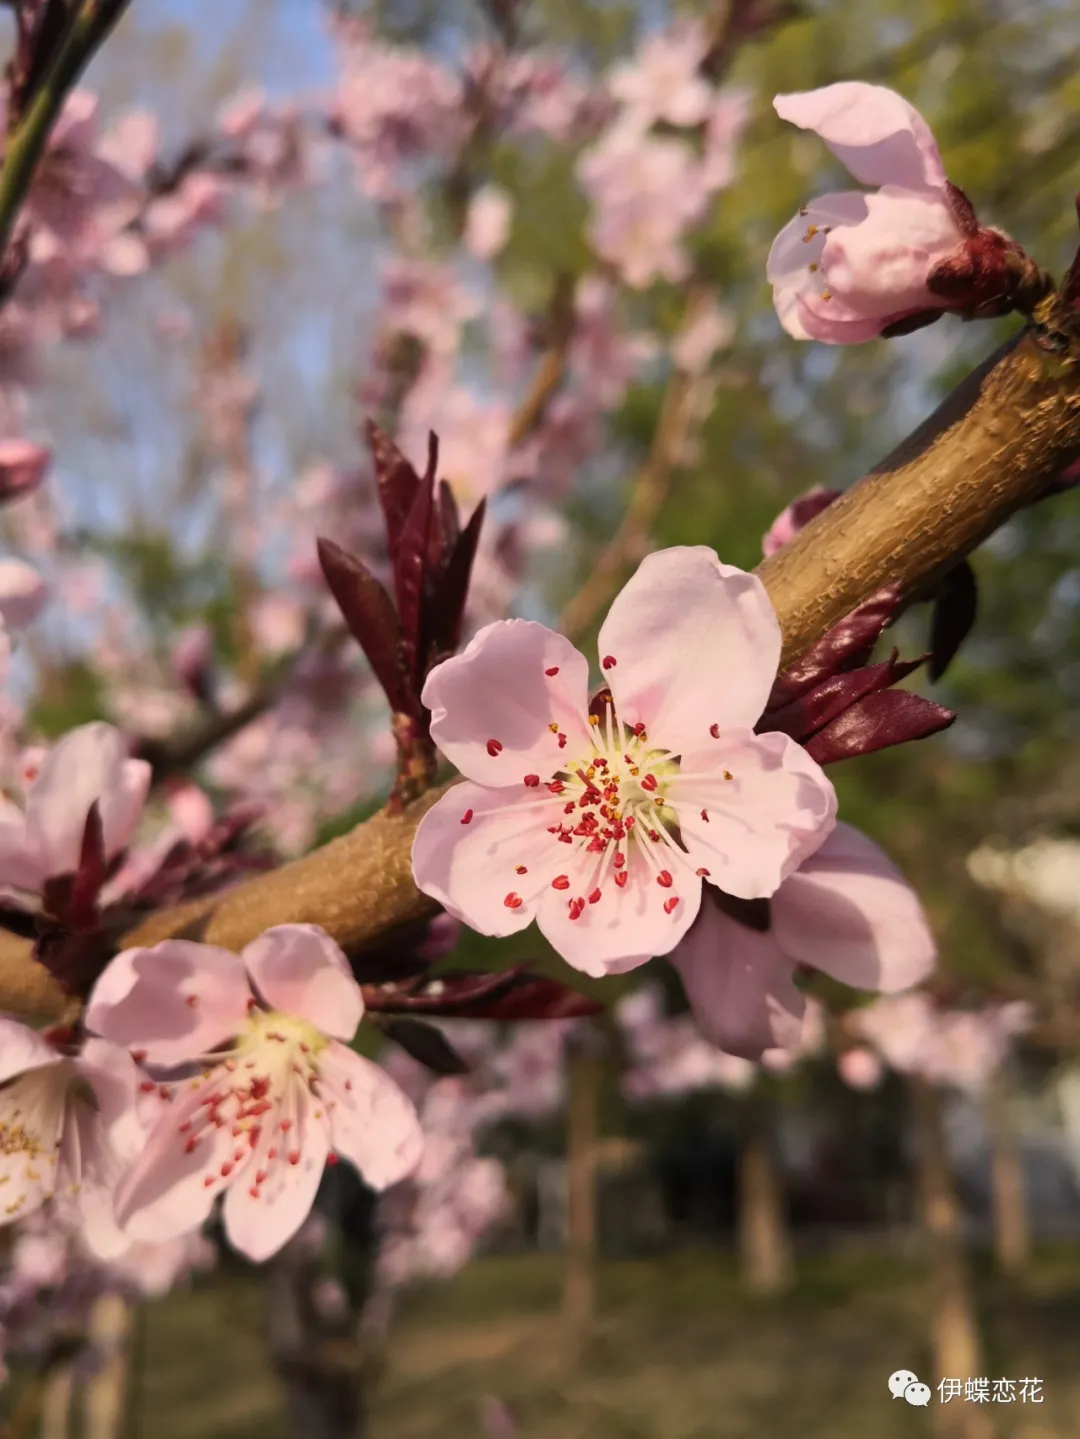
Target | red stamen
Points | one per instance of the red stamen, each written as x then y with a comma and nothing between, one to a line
532,780
594,896
608,662
513,901
714,730
669,904
561,881
649,782
554,670
621,878
467,817
664,879
494,747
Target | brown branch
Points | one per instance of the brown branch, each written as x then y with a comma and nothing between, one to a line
991,448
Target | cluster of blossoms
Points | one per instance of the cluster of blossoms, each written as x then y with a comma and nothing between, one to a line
911,1034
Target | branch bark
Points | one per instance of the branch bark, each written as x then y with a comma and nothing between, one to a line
992,447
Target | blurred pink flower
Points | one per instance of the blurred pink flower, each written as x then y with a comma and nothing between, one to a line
66,1125
88,766
851,264
860,1068
847,912
23,466
708,329
668,784
22,593
487,223
645,193
268,1111
662,81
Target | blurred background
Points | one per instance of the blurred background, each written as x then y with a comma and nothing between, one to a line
619,1231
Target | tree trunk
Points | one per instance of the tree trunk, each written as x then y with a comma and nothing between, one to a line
579,1285
957,1347
763,1237
1012,1235
56,1402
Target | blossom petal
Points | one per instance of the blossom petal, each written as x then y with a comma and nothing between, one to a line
22,1048
298,969
165,1193
695,643
740,985
22,593
89,764
471,867
259,1226
800,245
497,692
850,913
872,131
754,828
625,926
373,1124
174,1002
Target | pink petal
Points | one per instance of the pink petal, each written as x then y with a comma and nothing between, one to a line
625,926
740,985
258,1227
298,969
174,1002
22,467
22,593
88,764
164,1193
373,1124
873,131
19,865
761,824
497,693
471,867
22,1048
880,267
695,643
850,913
115,1078
800,245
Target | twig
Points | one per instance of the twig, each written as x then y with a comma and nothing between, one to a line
25,147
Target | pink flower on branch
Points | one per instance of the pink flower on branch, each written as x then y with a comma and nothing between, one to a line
67,1122
88,769
847,912
852,266
277,1095
601,821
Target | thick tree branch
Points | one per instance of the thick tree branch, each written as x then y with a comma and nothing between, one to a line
992,447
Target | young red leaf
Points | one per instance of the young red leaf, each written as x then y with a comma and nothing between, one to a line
887,718
452,587
426,1044
90,876
955,605
846,646
529,997
410,569
397,483
372,620
819,706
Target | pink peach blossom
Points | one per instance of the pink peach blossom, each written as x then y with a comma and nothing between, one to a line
662,81
860,1068
847,912
851,264
23,466
22,593
603,826
279,1095
67,1123
44,840
487,223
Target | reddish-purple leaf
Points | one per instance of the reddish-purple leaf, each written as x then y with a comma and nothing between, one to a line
410,564
955,605
370,615
437,993
397,483
426,1044
90,876
452,588
889,717
449,518
819,706
846,646
528,997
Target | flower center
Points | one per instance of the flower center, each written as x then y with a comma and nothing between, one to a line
32,1111
254,1091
